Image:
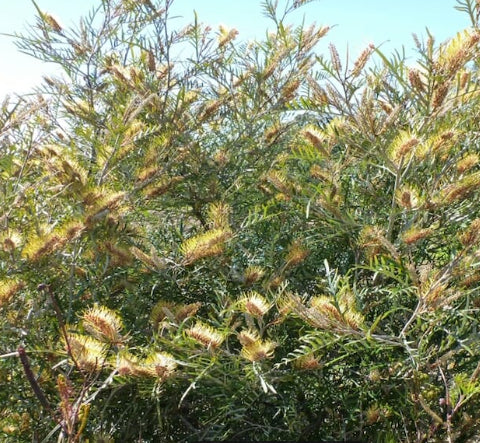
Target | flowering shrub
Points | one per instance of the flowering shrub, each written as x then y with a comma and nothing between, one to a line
207,239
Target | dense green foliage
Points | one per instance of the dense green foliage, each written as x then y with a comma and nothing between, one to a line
207,239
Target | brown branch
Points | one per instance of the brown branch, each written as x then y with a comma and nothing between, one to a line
32,380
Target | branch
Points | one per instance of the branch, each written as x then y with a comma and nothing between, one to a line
32,380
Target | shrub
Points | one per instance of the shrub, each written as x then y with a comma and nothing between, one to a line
209,239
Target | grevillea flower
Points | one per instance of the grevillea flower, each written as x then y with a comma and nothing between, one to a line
204,245
103,324
205,335
254,304
87,352
252,274
258,350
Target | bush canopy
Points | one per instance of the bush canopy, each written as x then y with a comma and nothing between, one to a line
203,238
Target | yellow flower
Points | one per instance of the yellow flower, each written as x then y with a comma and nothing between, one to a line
324,306
252,274
204,245
205,335
402,145
103,324
127,364
8,288
88,353
175,313
258,350
218,215
457,52
159,364
467,163
255,304
248,337
10,241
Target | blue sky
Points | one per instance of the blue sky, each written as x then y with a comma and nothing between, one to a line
358,23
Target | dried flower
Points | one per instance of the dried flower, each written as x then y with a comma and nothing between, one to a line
318,139
247,337
308,363
335,58
271,66
362,60
73,173
385,107
461,189
65,391
211,107
433,295
470,280
372,415
120,256
374,238
464,79
316,171
374,375
11,241
272,132
408,197
175,313
226,36
323,31
161,311
156,364
146,259
119,72
127,364
279,180
148,172
415,80
353,320
289,89
39,247
109,201
163,185
275,282
52,22
443,141
439,95
185,311
472,234
414,235
296,254
221,157
151,61
457,52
